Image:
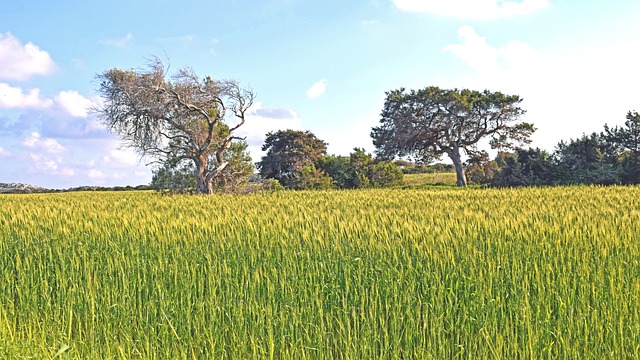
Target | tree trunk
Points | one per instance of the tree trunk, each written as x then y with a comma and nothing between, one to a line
204,185
461,178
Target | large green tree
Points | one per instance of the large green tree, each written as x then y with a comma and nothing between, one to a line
182,117
291,158
432,122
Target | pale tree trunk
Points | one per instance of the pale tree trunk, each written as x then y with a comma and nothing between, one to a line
204,185
204,178
461,178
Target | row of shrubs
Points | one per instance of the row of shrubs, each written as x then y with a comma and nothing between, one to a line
606,158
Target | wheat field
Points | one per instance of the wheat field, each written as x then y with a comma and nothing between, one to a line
434,273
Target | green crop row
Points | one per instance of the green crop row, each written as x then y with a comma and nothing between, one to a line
434,273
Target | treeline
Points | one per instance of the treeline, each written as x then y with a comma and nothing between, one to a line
183,123
299,160
606,158
294,160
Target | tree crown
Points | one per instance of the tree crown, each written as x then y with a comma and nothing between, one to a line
432,121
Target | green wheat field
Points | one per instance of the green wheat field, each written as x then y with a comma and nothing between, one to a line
432,273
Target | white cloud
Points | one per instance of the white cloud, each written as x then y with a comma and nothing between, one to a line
120,158
20,62
473,9
16,98
74,103
43,164
121,43
474,50
262,120
487,59
67,172
48,145
563,93
40,160
316,90
96,174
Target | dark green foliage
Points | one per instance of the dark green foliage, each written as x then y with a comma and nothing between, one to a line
385,173
627,143
361,170
339,169
606,158
360,162
236,175
288,152
180,176
525,167
588,160
171,177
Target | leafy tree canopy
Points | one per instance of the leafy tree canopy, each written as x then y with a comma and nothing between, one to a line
431,122
288,152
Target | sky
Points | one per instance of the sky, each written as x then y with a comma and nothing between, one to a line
322,66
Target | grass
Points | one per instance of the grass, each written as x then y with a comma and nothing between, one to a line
430,179
405,273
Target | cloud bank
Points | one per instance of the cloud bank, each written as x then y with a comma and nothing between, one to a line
565,95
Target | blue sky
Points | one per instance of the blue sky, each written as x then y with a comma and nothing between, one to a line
322,66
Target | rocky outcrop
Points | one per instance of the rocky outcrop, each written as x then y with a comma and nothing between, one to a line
20,188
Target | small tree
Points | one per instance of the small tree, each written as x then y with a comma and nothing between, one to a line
236,175
384,174
312,178
361,170
338,168
181,118
174,177
180,177
524,167
431,122
480,169
288,152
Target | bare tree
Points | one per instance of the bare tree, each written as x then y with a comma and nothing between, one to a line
184,117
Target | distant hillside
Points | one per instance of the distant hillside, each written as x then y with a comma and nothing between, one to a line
20,188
